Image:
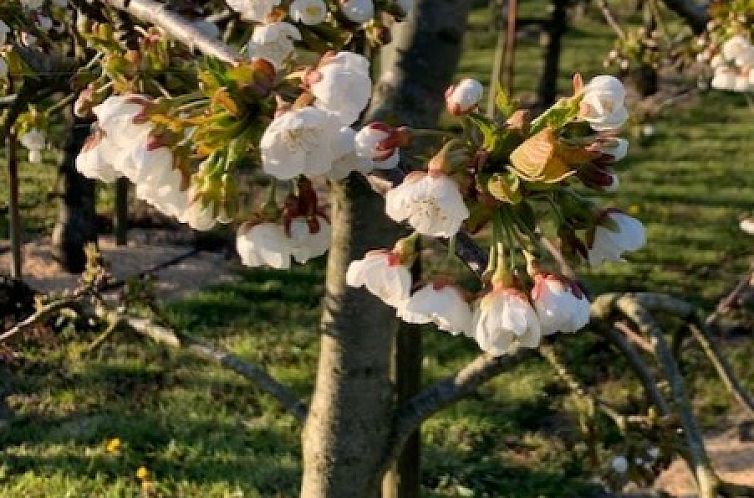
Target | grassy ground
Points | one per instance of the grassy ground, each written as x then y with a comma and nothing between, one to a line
202,432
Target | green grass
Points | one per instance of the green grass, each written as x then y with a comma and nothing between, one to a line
204,432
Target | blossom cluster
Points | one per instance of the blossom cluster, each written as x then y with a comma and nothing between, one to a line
518,164
514,180
725,46
732,65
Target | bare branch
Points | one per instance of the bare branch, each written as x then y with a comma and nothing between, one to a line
729,301
176,26
723,368
641,369
254,373
40,315
447,391
635,337
610,19
706,478
620,420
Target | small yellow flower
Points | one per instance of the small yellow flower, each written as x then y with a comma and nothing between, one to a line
142,473
634,209
114,445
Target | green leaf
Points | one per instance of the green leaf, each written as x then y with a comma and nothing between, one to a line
503,102
505,187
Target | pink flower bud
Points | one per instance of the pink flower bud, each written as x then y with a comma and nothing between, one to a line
463,97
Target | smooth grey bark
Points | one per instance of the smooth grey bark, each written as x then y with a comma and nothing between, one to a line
350,413
346,436
76,223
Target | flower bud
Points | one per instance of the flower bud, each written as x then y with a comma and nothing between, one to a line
380,143
463,97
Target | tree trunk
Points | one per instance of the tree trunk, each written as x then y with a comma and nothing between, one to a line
555,30
76,224
349,419
345,438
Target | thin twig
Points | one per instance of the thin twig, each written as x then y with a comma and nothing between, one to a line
181,29
723,367
610,19
254,373
728,302
633,336
620,420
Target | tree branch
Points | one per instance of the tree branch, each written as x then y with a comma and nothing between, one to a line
707,480
641,369
610,19
694,14
447,391
176,26
723,368
621,421
254,373
40,315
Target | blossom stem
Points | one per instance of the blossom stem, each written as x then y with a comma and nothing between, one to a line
502,273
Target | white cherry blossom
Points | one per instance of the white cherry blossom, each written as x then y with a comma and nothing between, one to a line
431,202
603,103
273,42
735,47
724,78
307,241
440,304
200,214
345,157
616,234
505,321
560,304
310,12
35,141
163,191
383,274
117,118
93,161
341,85
264,244
299,141
253,10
